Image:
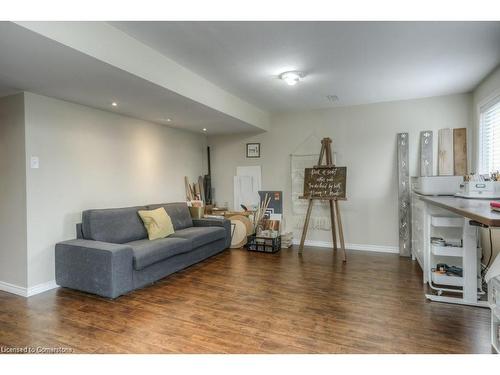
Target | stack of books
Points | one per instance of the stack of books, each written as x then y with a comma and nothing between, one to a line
286,240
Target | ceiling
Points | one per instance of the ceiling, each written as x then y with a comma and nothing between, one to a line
360,62
31,62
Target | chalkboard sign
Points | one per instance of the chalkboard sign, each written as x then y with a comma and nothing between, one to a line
325,182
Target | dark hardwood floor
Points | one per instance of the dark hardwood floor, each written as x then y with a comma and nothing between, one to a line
241,302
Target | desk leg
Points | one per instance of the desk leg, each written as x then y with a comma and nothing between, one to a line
426,230
470,262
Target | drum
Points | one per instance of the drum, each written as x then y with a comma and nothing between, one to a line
241,227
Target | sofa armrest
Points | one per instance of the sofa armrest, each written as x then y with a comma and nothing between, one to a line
96,267
214,222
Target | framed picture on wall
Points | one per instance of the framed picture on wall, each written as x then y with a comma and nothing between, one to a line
253,150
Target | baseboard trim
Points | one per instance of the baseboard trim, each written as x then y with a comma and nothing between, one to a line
352,246
14,289
40,288
27,292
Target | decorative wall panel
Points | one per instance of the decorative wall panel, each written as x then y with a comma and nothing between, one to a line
404,207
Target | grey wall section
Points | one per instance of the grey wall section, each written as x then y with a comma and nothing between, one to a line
96,159
364,138
13,248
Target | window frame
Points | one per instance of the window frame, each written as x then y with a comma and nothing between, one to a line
488,102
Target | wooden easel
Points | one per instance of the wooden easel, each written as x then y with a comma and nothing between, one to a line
326,150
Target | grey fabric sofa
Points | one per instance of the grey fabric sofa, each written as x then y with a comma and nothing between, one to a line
112,254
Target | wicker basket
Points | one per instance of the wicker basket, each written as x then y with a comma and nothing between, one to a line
197,212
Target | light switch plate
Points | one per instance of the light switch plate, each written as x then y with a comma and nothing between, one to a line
35,162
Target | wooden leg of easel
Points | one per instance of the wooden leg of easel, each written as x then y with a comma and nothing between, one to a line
334,231
306,224
341,232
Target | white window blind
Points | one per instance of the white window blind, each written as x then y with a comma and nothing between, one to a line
489,137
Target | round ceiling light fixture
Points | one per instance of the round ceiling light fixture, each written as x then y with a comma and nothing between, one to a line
292,77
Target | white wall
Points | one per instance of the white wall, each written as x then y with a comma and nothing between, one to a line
487,89
364,138
484,92
96,159
489,86
12,193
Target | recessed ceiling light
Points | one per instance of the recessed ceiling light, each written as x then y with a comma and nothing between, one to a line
204,129
292,77
168,119
114,104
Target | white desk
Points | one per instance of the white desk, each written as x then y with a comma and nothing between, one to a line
467,209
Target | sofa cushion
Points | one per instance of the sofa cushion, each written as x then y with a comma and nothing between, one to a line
146,252
178,212
115,225
157,223
200,235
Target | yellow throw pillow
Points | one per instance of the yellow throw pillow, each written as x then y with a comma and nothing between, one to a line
157,223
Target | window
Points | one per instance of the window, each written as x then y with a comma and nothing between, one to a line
489,137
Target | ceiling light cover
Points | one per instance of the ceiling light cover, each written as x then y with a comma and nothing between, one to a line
291,78
114,104
332,98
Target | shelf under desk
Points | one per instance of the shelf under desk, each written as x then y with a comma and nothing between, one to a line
474,209
469,209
